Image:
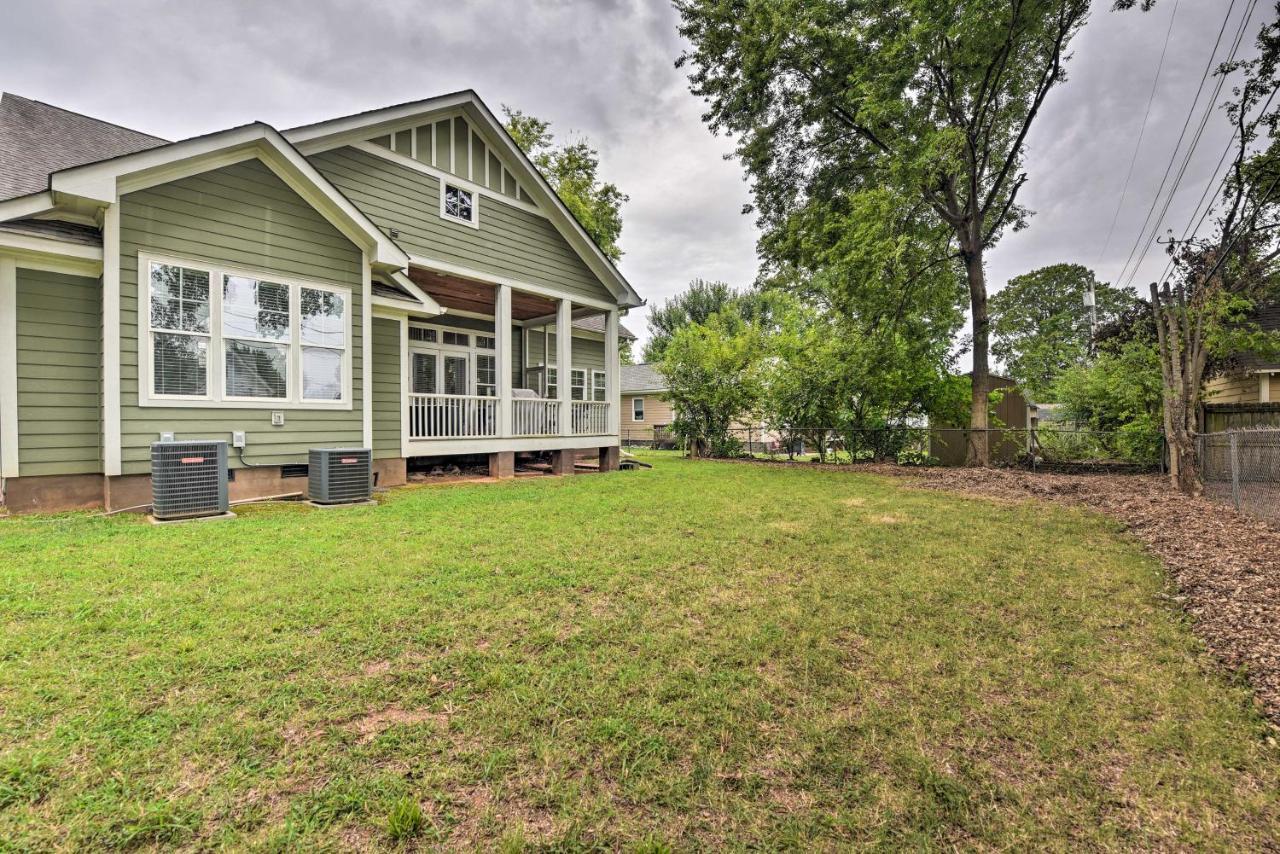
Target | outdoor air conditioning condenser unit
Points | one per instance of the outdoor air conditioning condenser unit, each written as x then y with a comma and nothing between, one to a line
340,475
188,479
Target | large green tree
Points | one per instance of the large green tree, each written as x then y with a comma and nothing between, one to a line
695,305
1040,325
928,100
713,373
573,171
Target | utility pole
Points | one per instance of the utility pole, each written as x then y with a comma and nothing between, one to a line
1091,303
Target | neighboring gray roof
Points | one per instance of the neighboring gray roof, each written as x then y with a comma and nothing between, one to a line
67,231
642,378
36,139
595,323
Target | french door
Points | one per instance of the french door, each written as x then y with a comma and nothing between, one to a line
440,372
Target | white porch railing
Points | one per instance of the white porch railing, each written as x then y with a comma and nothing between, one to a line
535,417
452,416
590,417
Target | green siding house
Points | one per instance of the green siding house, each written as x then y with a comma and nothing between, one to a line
394,280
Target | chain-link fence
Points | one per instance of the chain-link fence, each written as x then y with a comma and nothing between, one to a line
1242,468
1048,449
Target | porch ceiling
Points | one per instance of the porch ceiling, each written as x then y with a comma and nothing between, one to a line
470,295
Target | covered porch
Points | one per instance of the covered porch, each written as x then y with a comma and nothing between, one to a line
485,375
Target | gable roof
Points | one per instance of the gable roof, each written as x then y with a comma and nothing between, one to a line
637,378
595,323
37,139
334,133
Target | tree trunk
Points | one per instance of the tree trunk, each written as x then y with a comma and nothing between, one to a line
979,452
1181,373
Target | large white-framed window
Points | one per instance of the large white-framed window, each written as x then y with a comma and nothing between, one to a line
637,409
458,203
598,390
578,384
216,334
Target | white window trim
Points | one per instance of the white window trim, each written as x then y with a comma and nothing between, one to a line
215,382
597,375
474,222
634,401
471,351
574,373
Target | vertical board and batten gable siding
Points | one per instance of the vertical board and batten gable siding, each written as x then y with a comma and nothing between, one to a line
510,241
454,146
242,215
386,388
59,373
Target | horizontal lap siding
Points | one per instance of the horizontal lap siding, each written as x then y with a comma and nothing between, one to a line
510,241
241,215
59,373
386,388
587,354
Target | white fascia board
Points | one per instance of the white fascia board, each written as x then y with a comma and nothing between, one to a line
49,246
336,133
429,304
24,207
345,131
102,182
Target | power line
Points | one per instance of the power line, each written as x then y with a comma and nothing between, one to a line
1144,239
1173,155
1137,146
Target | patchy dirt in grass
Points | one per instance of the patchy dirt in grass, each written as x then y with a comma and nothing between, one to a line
370,726
1226,565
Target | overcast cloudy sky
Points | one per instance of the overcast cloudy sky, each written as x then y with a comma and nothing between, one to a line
604,69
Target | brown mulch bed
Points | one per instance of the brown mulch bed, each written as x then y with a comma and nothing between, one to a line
1226,566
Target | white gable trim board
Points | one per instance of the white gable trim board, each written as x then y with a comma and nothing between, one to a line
105,181
360,128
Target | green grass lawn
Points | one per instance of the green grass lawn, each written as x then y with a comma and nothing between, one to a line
703,654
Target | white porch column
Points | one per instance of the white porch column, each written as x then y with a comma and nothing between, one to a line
564,364
502,324
612,371
8,368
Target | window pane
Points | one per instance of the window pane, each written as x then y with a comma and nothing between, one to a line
486,376
323,314
455,375
256,370
577,385
321,374
457,202
598,390
179,364
424,373
484,342
254,309
179,298
637,409
417,333
457,339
